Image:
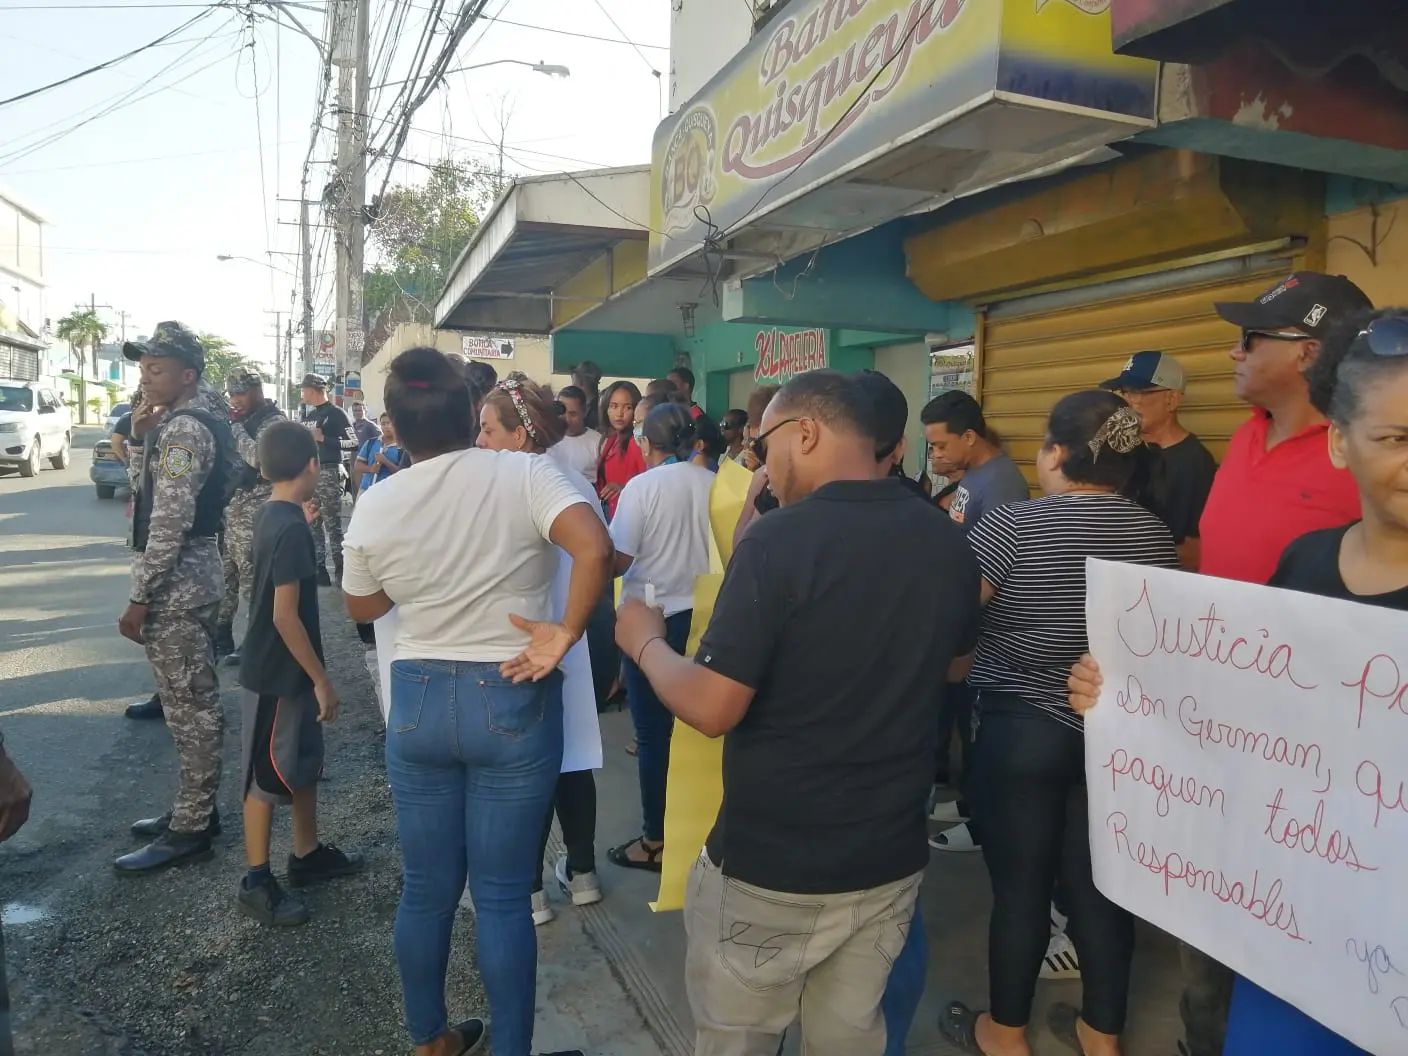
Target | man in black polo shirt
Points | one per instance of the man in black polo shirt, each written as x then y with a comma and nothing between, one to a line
821,670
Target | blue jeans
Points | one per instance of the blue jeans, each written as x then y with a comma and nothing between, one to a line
654,727
906,985
473,761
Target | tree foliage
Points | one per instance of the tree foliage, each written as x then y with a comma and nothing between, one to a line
419,232
222,359
85,333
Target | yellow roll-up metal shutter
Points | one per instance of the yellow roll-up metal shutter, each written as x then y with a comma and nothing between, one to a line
1036,350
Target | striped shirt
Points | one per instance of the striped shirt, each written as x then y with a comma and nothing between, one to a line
1033,553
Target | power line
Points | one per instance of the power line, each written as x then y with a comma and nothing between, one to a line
650,65
144,160
122,101
114,61
583,36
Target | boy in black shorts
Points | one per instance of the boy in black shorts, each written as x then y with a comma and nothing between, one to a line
287,692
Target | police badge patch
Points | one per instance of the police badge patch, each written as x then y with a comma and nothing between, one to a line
178,461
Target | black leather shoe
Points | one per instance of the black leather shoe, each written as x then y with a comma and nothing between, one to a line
324,580
146,709
167,850
150,827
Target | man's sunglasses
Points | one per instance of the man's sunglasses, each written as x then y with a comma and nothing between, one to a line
759,444
1386,336
1248,336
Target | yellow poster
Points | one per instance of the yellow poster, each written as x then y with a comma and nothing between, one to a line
696,787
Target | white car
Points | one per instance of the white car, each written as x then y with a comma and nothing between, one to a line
35,424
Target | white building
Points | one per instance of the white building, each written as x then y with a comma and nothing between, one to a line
23,312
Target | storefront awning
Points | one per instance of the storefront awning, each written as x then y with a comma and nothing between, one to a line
541,233
841,116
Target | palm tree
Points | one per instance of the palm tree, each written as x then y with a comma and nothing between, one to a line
82,329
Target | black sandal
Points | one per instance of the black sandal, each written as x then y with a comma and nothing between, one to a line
1061,1020
621,856
959,1024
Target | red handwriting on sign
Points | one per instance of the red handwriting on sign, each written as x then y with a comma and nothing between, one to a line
1209,733
1310,837
1381,679
1132,700
1144,632
1270,909
1167,786
1369,780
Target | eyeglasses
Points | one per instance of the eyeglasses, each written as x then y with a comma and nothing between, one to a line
759,444
1386,337
1271,335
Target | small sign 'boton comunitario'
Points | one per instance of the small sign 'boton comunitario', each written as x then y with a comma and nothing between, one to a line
781,356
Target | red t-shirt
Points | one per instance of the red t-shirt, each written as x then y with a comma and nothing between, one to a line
1263,500
618,466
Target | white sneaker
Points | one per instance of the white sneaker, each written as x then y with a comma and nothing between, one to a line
542,912
957,839
1061,961
584,888
1058,921
947,812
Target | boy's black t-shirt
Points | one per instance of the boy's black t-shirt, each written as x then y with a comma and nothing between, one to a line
826,779
283,554
124,425
336,428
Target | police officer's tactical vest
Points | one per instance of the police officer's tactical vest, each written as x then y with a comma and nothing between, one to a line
249,477
214,493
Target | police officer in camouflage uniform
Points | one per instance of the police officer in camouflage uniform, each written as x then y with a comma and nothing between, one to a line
181,481
333,432
252,414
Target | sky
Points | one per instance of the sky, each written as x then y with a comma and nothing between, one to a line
149,170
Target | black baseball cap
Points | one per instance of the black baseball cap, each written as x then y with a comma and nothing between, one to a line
313,381
1308,301
244,382
170,339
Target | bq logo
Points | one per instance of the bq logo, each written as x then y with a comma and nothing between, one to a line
689,169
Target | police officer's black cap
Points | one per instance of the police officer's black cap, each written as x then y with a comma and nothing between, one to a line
243,382
313,381
170,339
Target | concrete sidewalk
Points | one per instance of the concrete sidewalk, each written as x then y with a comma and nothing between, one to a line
607,972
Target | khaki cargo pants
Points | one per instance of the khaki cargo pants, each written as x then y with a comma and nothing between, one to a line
759,959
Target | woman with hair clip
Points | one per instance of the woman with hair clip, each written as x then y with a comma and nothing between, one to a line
1029,755
661,532
620,459
1360,382
517,415
463,544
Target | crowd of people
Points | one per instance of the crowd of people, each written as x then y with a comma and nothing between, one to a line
839,779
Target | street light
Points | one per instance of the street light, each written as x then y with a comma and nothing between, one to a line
549,69
261,263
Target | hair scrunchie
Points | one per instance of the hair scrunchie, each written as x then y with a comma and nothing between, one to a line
1120,432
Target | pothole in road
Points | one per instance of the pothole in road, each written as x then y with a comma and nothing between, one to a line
17,914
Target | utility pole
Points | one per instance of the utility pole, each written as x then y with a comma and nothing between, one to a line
349,55
93,307
306,246
123,317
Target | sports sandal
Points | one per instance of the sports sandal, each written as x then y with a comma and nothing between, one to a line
621,856
959,1024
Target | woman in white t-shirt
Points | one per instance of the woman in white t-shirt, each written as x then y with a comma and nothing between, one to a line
519,416
661,532
463,544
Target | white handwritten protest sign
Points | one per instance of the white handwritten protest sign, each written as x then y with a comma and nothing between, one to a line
1246,766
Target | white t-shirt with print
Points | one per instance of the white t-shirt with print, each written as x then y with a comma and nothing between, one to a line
459,543
579,453
662,521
